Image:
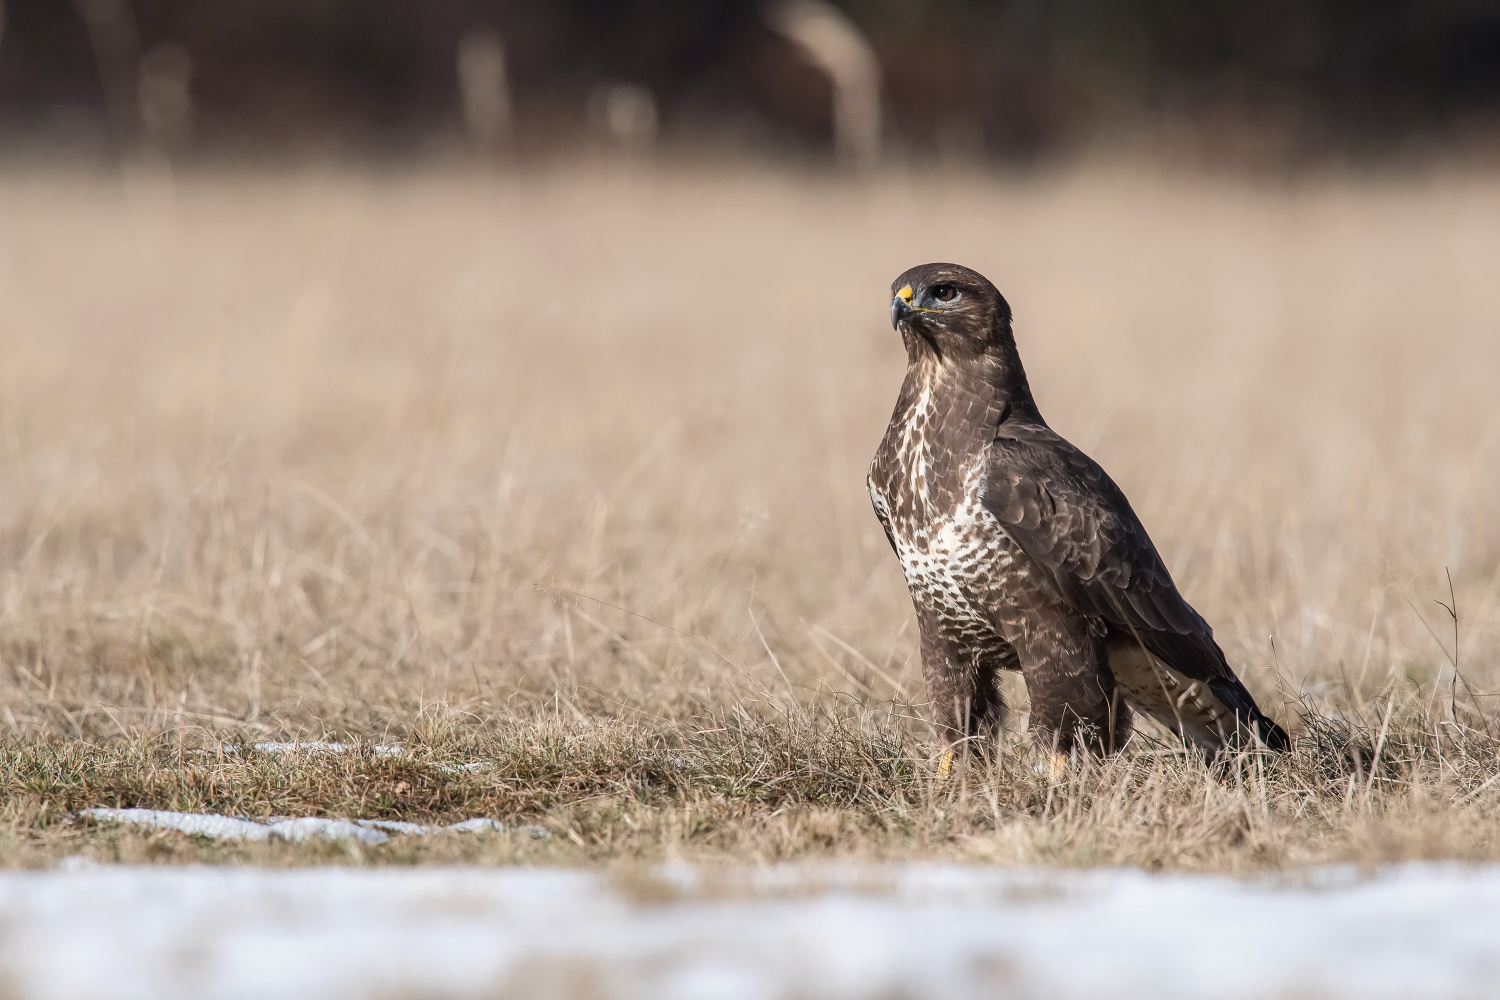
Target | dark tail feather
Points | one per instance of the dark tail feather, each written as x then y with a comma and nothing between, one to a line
1232,694
1199,656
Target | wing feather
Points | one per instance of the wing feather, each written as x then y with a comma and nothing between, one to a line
1065,512
1072,519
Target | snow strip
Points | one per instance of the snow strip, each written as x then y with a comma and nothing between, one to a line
396,826
470,768
199,824
298,830
311,747
818,932
482,825
325,746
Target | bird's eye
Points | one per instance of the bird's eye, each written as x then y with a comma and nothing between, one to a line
944,293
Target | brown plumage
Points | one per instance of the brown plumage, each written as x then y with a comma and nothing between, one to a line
1022,554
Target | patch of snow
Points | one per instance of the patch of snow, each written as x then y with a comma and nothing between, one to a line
201,824
478,765
295,829
840,932
325,746
395,826
481,825
300,831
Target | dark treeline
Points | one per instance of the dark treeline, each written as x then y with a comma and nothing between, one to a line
1001,79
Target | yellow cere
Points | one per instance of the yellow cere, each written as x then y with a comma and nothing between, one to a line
905,296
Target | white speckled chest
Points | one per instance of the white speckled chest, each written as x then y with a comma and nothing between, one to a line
955,554
953,557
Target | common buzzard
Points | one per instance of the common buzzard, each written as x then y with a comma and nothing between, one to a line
1022,554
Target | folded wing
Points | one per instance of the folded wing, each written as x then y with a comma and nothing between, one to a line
1065,512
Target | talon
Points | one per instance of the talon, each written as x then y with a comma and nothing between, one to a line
1057,767
945,765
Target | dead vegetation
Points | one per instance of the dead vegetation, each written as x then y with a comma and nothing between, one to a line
564,473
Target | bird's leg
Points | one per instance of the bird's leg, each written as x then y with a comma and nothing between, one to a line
1071,687
950,681
986,709
1056,768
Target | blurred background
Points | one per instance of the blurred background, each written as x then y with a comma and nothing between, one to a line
1257,83
407,323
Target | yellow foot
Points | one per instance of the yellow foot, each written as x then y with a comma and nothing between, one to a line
945,765
1057,767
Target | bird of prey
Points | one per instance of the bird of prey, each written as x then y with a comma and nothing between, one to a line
1022,554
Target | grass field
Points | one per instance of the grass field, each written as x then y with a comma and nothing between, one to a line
564,472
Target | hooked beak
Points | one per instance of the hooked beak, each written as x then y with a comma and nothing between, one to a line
901,306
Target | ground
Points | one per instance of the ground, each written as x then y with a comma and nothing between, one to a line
560,471
826,931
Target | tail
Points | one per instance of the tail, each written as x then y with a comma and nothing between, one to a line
1198,655
1248,716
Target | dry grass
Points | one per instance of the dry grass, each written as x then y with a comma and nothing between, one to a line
565,472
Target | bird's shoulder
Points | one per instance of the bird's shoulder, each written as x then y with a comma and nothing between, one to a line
1036,478
1070,517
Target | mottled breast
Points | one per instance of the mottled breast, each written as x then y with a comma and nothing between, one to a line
927,484
956,557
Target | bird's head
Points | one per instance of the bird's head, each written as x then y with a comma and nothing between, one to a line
950,311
